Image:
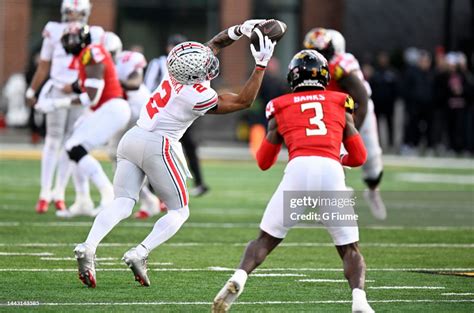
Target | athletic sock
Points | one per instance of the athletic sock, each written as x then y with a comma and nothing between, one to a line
62,175
142,250
49,159
119,209
166,227
240,277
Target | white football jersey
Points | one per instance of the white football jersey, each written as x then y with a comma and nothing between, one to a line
348,62
63,71
127,62
174,107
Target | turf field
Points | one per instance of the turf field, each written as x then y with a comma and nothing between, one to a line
410,262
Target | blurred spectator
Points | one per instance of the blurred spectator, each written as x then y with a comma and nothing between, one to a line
273,85
455,93
36,120
384,83
418,93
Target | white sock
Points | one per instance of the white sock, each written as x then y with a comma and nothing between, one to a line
62,175
240,276
49,159
166,227
119,209
142,250
92,169
81,183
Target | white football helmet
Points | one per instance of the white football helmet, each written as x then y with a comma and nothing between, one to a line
191,62
80,7
338,41
112,43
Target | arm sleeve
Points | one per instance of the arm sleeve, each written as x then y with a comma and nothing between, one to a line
267,154
357,154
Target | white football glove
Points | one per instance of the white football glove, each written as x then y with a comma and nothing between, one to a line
45,106
266,49
247,26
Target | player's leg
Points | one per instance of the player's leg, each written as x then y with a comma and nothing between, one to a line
65,166
169,182
345,234
55,127
190,149
150,205
272,232
94,131
373,167
128,180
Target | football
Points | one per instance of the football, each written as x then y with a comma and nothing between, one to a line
274,29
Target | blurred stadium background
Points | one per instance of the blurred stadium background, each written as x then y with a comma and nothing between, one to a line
371,27
419,260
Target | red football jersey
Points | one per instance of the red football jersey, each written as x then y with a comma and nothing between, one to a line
311,122
93,54
341,65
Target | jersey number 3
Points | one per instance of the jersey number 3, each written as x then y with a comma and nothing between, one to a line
156,102
316,120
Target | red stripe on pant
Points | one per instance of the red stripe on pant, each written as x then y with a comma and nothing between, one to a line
176,175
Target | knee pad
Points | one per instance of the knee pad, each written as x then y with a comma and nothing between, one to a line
374,182
76,153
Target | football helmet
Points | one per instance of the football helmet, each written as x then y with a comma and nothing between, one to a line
191,62
75,10
338,41
112,43
320,40
76,37
308,68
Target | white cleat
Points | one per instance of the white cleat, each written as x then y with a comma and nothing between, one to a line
82,207
361,307
224,299
377,207
138,265
85,257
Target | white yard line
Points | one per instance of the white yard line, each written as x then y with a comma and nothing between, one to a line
191,303
240,244
228,269
25,254
406,287
323,280
415,177
278,275
458,294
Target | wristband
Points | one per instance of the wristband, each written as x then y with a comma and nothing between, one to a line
30,93
260,67
233,32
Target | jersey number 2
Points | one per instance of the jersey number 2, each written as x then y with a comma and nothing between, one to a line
316,120
156,102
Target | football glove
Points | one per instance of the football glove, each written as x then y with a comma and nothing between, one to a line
247,26
265,53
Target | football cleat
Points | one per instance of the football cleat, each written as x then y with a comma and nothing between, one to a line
85,257
224,299
377,207
42,206
199,190
138,265
82,207
60,205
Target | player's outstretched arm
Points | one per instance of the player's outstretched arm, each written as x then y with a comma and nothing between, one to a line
231,102
357,154
354,86
230,35
267,154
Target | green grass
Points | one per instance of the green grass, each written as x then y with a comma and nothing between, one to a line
221,223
